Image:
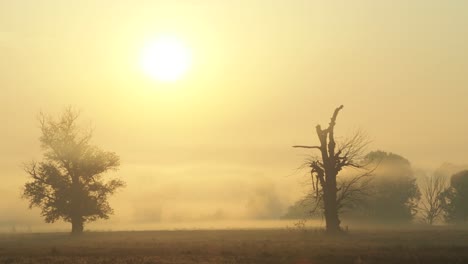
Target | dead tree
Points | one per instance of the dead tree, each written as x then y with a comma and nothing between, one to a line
325,168
431,206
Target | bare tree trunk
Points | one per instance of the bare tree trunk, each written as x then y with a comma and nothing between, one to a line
331,206
327,147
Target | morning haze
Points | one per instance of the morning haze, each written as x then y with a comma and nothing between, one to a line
216,144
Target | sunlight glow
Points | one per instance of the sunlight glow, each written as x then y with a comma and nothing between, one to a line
165,59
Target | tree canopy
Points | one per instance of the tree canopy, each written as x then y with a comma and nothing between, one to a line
395,193
455,198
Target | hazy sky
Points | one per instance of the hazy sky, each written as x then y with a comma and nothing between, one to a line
263,74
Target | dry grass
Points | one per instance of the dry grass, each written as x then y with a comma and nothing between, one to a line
239,246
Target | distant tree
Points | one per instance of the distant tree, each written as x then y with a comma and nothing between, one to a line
455,199
68,184
447,170
301,209
395,193
432,187
328,193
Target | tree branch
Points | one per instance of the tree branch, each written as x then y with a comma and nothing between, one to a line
306,147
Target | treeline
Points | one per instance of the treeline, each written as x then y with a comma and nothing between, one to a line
69,183
395,193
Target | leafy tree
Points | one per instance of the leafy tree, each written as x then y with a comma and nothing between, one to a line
395,192
68,184
329,192
455,198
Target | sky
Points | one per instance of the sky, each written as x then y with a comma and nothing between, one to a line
216,144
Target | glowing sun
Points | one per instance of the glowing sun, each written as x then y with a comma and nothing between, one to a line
165,59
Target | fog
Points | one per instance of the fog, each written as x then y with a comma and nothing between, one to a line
214,149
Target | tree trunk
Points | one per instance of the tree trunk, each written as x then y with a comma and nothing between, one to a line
77,225
332,220
75,204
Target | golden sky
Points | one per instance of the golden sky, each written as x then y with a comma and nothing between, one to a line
263,74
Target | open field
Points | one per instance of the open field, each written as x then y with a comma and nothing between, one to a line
238,246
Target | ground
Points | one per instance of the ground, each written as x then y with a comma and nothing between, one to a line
431,245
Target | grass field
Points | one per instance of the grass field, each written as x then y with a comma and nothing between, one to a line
238,246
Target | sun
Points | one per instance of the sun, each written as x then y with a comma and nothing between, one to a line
166,59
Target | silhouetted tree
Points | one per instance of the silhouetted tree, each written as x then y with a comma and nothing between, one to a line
395,193
431,206
455,199
328,192
68,184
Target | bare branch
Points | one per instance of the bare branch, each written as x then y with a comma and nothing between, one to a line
431,206
306,147
354,190
333,119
